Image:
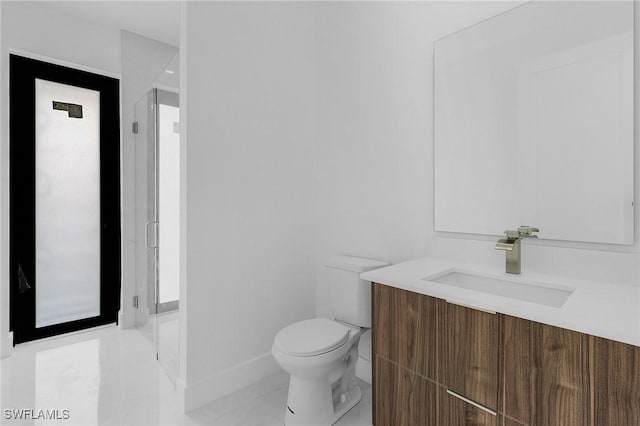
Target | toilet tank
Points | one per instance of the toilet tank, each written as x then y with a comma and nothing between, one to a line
351,296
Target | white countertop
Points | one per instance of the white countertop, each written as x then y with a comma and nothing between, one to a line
606,310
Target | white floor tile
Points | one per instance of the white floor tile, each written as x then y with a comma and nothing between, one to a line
109,376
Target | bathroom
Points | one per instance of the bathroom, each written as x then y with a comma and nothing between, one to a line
306,132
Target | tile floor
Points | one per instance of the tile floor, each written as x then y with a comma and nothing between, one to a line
108,376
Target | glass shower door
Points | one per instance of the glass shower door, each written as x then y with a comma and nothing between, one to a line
168,209
144,128
157,139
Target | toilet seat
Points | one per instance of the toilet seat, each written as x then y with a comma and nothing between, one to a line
312,337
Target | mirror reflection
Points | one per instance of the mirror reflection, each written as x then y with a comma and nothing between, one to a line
534,123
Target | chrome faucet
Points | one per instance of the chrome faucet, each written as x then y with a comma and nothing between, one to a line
511,246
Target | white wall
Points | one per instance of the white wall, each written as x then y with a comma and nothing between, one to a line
374,179
249,114
375,127
34,28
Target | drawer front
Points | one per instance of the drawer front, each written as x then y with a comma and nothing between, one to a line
546,374
616,369
510,422
401,397
405,329
469,351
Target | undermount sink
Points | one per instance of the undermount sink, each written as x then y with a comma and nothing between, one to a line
541,294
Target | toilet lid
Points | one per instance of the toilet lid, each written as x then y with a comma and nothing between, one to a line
311,337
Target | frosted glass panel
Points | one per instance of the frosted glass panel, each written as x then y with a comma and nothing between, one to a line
67,204
169,201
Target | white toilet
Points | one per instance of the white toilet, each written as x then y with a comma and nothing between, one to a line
321,354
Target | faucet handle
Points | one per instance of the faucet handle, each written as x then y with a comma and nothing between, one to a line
512,234
527,231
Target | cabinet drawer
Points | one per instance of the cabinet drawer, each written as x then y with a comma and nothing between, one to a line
405,327
616,369
455,410
469,350
546,374
509,422
401,397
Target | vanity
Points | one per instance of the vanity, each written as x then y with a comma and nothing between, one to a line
534,118
448,355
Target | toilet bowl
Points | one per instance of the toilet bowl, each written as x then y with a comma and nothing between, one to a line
321,354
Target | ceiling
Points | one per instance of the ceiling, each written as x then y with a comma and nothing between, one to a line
159,20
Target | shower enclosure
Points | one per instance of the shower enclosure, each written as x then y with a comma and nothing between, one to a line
157,133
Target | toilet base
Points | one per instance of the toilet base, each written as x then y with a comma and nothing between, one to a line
321,407
354,395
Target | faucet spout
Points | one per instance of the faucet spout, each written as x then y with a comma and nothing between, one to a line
505,244
511,247
512,254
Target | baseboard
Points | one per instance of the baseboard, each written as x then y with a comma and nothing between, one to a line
225,382
363,370
6,345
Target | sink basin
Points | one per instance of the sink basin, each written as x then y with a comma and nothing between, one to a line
539,293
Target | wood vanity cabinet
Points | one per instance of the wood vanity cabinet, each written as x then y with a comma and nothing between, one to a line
546,374
406,324
456,412
616,375
469,342
415,362
437,363
407,399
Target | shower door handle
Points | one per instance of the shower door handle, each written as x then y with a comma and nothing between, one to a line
155,235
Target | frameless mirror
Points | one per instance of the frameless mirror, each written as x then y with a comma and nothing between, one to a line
534,123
